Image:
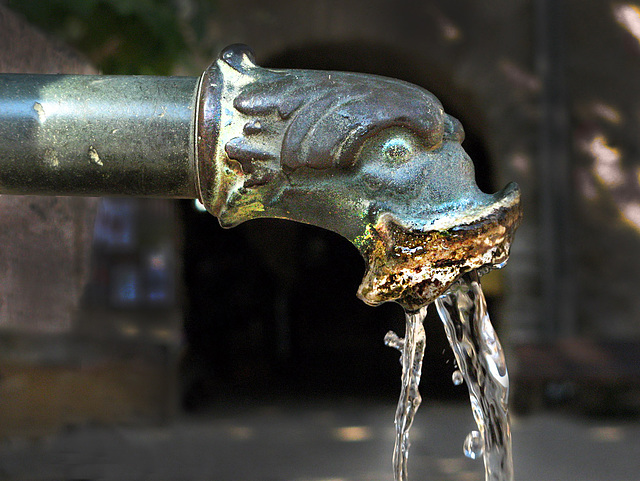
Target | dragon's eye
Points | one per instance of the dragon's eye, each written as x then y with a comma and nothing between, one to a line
397,149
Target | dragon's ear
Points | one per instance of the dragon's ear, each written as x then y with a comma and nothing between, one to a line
239,57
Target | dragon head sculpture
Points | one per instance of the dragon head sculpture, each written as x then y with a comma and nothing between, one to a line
374,159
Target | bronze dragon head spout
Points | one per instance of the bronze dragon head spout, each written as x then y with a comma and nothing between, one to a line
374,159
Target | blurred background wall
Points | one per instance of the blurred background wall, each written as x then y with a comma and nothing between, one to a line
548,94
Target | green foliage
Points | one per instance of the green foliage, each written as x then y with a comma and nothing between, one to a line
123,36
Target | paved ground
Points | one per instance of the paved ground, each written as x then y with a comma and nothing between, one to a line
323,442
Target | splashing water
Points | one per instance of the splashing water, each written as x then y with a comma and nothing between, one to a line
412,349
473,446
481,365
477,350
457,378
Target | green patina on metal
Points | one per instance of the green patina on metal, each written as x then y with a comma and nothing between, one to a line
374,159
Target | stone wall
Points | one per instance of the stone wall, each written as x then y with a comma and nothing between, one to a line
61,364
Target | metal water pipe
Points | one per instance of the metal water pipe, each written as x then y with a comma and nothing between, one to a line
97,135
376,160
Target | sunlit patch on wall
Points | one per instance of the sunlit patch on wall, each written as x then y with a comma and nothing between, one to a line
607,434
240,433
631,213
607,165
521,163
353,433
449,30
128,329
607,112
608,172
628,16
518,76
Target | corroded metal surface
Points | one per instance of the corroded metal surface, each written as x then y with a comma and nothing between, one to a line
374,159
414,267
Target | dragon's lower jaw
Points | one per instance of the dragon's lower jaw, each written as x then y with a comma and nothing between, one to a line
414,266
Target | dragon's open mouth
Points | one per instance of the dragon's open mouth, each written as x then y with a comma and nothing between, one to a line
414,266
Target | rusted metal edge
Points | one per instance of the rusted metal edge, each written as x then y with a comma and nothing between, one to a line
413,267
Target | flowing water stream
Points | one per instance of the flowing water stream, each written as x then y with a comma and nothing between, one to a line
482,366
412,349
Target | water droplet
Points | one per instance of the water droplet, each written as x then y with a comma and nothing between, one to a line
473,445
457,378
391,339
